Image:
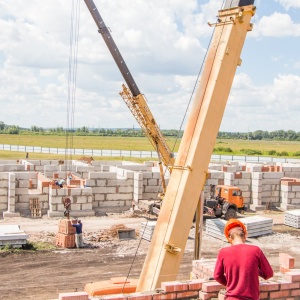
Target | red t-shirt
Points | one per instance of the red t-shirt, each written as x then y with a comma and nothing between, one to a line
238,268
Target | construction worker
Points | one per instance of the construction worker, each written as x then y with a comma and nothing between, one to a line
239,265
78,235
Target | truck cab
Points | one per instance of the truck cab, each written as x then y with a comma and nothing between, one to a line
227,200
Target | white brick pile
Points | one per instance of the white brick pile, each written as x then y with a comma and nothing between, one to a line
290,194
265,189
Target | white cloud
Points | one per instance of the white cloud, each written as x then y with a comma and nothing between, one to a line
276,25
287,4
270,107
163,44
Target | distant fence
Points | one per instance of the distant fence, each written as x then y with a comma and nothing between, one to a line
136,154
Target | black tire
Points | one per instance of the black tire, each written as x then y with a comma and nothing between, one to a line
230,214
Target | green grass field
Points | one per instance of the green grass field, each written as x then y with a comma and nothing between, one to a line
128,143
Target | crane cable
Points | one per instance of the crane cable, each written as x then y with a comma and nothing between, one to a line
72,78
177,137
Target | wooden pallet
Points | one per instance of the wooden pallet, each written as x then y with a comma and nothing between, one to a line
35,209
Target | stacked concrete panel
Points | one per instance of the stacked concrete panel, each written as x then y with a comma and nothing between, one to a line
256,226
292,218
147,229
290,193
12,235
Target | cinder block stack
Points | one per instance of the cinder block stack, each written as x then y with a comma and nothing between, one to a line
66,234
266,188
290,193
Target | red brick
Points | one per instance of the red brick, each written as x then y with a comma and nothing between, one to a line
295,292
206,296
265,286
212,286
74,296
166,296
139,296
238,175
174,286
286,261
279,294
264,295
284,270
292,276
288,285
195,284
114,297
188,294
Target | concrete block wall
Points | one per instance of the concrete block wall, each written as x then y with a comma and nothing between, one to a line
116,184
5,190
81,201
110,193
290,193
24,180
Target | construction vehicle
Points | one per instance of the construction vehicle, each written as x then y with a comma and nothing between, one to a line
190,167
225,200
135,101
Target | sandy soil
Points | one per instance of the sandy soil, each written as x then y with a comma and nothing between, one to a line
45,274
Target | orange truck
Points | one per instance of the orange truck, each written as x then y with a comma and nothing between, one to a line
227,201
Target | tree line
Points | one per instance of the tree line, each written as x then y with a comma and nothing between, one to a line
279,135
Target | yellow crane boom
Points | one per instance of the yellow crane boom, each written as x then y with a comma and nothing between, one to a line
132,96
189,171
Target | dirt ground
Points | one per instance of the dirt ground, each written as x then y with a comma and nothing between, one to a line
45,274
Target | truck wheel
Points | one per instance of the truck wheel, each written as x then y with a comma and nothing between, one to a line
230,214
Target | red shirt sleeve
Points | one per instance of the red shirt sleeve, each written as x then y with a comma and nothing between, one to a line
265,270
219,272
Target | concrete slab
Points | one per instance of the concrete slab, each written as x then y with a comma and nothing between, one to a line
256,226
12,235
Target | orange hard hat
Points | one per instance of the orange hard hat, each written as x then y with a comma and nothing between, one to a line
232,223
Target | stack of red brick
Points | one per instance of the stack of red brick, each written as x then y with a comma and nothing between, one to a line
285,288
66,234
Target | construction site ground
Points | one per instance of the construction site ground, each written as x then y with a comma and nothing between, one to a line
41,274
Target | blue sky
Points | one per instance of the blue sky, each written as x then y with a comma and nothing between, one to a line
163,43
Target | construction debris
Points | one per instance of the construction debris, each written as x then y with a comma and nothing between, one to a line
110,234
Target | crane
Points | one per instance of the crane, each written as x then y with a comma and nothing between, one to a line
189,171
190,167
133,98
